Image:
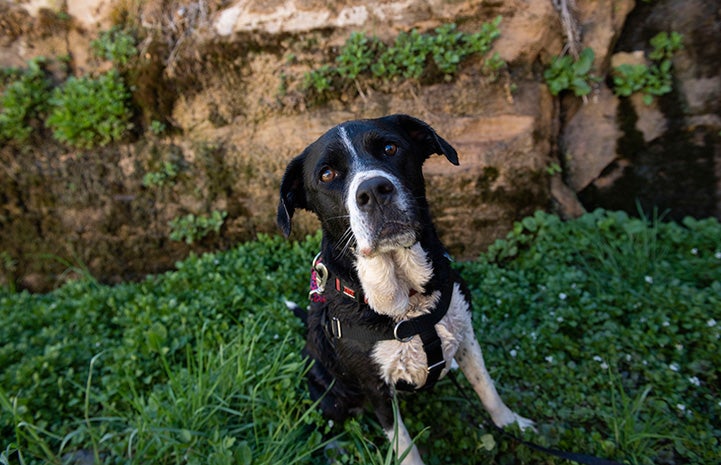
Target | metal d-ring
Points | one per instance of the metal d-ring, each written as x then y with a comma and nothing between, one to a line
395,332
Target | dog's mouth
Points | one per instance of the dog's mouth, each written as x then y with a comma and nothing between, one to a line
389,236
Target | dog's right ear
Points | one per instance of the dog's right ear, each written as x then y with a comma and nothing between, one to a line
292,193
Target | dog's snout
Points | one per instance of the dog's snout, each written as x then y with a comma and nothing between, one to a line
375,191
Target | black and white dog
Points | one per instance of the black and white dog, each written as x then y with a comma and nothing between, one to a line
387,310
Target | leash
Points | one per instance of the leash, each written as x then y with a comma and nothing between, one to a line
583,459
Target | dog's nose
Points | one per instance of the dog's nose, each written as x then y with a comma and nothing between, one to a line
373,192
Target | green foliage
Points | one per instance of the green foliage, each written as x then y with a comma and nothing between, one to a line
406,58
191,228
605,330
565,73
24,102
87,112
157,127
167,174
356,56
116,45
198,366
654,79
409,57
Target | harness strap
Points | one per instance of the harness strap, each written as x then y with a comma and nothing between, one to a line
369,334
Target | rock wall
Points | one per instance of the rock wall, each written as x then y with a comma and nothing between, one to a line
218,74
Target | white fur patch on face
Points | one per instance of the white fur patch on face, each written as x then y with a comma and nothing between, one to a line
407,360
359,224
348,144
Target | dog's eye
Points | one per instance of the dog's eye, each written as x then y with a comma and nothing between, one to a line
390,149
327,175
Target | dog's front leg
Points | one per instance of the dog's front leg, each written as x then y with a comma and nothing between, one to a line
470,359
396,432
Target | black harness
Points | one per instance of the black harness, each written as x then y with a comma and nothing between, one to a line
383,328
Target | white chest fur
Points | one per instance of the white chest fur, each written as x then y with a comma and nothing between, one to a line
387,280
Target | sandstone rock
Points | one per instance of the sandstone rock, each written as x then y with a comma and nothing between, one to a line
589,140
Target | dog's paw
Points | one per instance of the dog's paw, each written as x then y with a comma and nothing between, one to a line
524,423
510,417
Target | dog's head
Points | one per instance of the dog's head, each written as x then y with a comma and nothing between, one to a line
364,181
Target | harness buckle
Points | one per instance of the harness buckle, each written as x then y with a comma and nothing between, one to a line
395,332
320,277
335,328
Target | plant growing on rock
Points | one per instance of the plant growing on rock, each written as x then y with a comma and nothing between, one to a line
86,112
24,102
116,45
654,79
410,56
190,228
565,73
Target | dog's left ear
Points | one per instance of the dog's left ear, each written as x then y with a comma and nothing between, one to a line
292,193
422,133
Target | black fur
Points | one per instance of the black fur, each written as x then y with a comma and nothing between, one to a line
343,374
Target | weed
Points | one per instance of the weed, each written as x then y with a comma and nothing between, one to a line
24,102
356,56
116,45
409,57
157,127
167,174
191,228
565,73
86,112
654,79
406,58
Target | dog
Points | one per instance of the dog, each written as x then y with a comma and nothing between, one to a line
387,310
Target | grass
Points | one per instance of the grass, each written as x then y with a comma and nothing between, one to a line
605,330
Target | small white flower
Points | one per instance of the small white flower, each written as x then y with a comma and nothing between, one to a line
604,366
597,358
562,296
711,323
679,347
499,301
717,255
513,353
559,319
673,367
549,358
695,381
648,279
276,337
666,323
694,251
681,407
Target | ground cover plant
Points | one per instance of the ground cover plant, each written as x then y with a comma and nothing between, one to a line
605,330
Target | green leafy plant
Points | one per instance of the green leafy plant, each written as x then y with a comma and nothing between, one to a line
619,318
565,73
654,79
24,102
157,127
409,57
116,45
168,173
191,228
86,112
356,56
406,58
